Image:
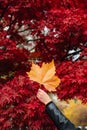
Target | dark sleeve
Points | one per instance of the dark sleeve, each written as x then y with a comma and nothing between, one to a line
58,118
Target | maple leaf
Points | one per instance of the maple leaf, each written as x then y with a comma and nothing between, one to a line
45,75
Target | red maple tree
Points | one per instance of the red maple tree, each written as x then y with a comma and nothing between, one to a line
59,31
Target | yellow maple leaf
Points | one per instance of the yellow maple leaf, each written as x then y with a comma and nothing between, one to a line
45,75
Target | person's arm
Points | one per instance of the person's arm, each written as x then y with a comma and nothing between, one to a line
58,118
54,113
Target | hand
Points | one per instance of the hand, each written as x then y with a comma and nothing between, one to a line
43,96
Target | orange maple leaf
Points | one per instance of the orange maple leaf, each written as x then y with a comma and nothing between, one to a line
45,75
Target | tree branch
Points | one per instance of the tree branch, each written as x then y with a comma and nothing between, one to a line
24,30
12,22
33,40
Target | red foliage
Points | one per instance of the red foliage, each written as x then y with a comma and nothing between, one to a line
19,106
57,26
66,30
73,80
